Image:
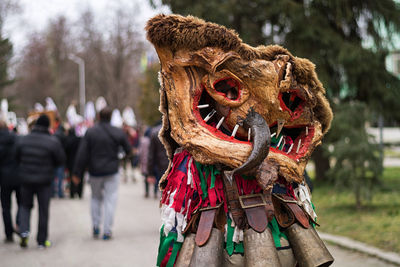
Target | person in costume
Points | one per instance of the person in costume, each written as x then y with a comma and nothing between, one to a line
239,125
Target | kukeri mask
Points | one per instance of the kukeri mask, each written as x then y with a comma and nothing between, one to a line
211,82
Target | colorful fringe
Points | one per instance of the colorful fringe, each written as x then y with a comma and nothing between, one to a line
192,185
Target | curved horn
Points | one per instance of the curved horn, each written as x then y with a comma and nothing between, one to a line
261,136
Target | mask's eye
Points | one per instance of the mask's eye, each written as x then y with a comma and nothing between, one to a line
228,87
291,102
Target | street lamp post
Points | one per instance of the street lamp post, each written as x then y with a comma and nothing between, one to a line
82,89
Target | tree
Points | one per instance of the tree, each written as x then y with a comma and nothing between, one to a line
355,155
149,98
347,40
6,48
111,53
5,56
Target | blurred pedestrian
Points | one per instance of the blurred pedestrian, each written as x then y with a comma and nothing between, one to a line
71,149
38,155
98,151
157,160
58,183
10,181
129,163
143,152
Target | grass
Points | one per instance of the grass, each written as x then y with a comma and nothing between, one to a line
392,153
376,224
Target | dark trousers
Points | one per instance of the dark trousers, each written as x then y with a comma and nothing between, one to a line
76,189
6,204
43,194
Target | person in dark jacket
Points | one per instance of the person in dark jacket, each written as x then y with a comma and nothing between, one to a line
38,155
58,182
9,180
98,151
71,149
157,162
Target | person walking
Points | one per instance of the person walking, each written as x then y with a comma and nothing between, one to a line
98,151
38,155
10,181
58,182
157,162
71,148
143,153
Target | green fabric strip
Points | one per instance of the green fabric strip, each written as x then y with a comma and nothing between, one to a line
176,247
276,233
165,242
315,219
239,247
229,238
203,182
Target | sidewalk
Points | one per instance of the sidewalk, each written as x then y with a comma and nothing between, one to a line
353,245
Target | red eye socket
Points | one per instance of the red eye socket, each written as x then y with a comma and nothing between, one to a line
291,102
228,87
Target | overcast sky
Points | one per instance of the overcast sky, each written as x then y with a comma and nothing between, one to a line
35,14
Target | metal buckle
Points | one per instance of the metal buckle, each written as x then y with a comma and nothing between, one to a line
285,200
264,203
211,208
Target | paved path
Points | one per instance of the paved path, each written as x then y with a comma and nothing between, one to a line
135,237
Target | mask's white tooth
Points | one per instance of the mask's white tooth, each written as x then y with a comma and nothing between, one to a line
306,130
281,123
290,149
235,130
272,135
279,143
220,122
203,106
283,145
249,135
210,115
298,146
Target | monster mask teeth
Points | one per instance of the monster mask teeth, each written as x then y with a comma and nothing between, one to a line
209,116
220,123
272,135
249,135
203,106
279,143
298,146
235,130
290,149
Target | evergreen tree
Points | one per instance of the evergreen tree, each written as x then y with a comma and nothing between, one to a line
358,165
5,56
347,40
149,98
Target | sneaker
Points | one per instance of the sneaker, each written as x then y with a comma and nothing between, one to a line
96,232
106,236
46,244
24,240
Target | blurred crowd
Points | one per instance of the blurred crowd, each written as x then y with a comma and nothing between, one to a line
55,159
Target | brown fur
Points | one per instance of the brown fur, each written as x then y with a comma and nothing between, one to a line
177,32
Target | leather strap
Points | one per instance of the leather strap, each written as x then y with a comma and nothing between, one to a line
287,211
232,198
192,225
253,206
205,226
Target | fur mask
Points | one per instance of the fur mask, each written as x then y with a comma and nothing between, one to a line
211,81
